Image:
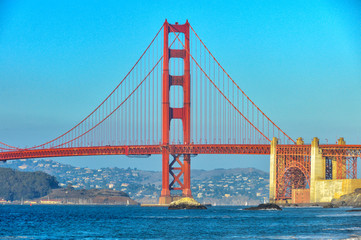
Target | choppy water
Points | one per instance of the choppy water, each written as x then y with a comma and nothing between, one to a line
114,222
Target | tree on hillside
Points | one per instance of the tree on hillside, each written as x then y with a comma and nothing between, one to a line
15,185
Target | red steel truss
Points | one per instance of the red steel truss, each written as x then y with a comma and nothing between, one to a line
345,157
191,149
341,150
293,168
293,165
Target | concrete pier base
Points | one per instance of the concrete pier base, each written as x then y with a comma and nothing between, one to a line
168,199
272,177
318,172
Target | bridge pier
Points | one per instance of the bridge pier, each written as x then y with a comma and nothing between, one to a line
344,171
318,166
294,168
272,172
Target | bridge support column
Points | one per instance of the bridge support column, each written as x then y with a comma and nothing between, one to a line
169,113
272,172
165,194
339,164
165,197
318,169
186,191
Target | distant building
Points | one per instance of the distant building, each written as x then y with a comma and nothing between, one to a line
50,201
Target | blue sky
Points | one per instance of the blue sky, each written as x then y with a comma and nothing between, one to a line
300,61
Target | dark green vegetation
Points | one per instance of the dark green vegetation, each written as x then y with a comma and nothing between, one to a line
16,185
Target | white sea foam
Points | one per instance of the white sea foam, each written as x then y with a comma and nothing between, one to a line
321,237
346,214
344,229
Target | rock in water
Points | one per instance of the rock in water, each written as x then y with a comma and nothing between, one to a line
266,206
330,205
354,210
186,203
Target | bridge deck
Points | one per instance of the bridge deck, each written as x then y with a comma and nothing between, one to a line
257,149
254,149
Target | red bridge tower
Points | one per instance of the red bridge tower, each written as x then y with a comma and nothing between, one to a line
169,113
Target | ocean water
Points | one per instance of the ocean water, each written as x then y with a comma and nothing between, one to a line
116,222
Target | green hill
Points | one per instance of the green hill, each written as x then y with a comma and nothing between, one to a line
16,185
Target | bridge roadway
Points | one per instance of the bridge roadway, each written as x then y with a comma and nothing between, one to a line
255,149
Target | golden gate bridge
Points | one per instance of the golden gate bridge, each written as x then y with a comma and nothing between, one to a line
178,101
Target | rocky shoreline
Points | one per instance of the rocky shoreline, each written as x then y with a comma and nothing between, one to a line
351,199
348,200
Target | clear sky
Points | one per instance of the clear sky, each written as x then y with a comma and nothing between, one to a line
299,61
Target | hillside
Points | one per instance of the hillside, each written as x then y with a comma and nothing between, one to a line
220,186
16,185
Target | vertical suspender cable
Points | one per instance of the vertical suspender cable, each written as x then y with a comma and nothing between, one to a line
196,96
178,93
205,102
199,97
151,139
